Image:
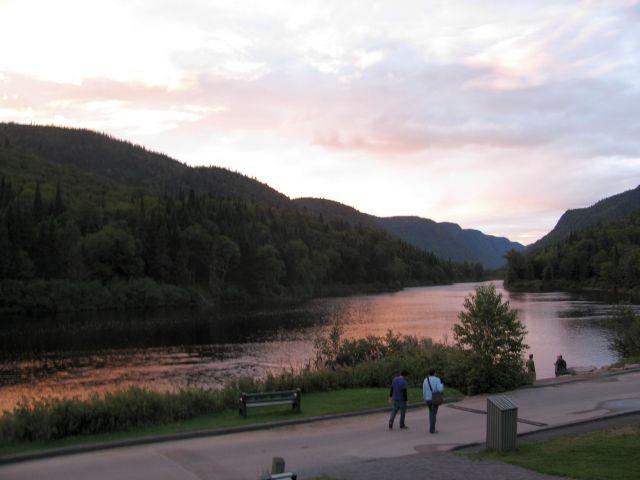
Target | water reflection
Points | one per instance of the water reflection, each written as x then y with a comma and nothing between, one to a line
81,354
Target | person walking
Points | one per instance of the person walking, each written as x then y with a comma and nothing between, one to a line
398,397
432,390
531,369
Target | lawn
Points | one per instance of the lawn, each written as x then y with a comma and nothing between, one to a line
313,404
604,455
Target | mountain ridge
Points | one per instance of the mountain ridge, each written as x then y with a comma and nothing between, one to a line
445,239
574,220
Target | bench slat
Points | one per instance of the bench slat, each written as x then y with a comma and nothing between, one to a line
264,404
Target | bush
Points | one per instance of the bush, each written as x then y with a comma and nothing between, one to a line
626,340
490,340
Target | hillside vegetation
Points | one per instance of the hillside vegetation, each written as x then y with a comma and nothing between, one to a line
132,165
605,256
77,234
445,239
606,210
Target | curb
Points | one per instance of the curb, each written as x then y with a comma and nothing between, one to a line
211,432
583,378
562,426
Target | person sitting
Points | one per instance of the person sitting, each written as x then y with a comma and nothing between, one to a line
561,366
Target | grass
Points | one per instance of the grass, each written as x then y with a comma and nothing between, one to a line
604,455
313,404
626,361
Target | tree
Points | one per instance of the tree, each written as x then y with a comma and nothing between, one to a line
58,207
492,339
111,252
38,206
225,253
626,340
268,269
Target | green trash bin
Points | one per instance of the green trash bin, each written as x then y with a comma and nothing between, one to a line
502,423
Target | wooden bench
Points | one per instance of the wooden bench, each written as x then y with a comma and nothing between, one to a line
287,397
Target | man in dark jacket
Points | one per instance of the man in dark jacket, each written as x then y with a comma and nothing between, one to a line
561,366
398,397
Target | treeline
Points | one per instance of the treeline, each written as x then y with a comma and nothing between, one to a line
606,256
226,248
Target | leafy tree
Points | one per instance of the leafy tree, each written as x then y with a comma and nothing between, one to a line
492,339
626,340
112,252
268,269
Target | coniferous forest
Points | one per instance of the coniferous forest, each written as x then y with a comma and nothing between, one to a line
605,257
73,240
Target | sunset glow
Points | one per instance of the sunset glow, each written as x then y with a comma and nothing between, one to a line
495,115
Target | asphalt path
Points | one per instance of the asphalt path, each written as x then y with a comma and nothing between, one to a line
327,445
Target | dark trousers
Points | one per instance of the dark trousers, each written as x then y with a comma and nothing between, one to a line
433,411
398,405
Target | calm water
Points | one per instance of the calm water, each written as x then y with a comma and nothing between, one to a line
80,354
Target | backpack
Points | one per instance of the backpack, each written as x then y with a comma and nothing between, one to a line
436,397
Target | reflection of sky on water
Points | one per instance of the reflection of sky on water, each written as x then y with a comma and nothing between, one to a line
78,355
558,323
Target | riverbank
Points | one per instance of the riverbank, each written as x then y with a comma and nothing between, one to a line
315,406
39,296
602,292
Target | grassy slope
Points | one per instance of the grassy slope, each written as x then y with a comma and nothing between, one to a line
611,454
313,404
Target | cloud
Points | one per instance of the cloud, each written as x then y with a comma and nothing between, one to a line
534,106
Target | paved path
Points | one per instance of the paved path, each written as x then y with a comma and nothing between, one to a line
343,443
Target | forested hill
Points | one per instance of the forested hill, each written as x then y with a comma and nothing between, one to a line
332,210
446,240
606,210
75,239
449,240
605,256
131,165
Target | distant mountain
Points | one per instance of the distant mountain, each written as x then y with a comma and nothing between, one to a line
132,165
607,210
446,240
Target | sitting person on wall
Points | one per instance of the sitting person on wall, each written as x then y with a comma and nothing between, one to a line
561,367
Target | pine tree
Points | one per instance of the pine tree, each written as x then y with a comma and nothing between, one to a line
58,205
37,209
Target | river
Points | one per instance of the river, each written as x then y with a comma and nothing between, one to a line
81,354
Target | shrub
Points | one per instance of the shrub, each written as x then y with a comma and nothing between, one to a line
490,340
626,340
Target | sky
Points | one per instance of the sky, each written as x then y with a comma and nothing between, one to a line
496,115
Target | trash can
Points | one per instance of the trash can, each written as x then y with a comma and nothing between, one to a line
502,423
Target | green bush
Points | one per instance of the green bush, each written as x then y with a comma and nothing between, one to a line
626,340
